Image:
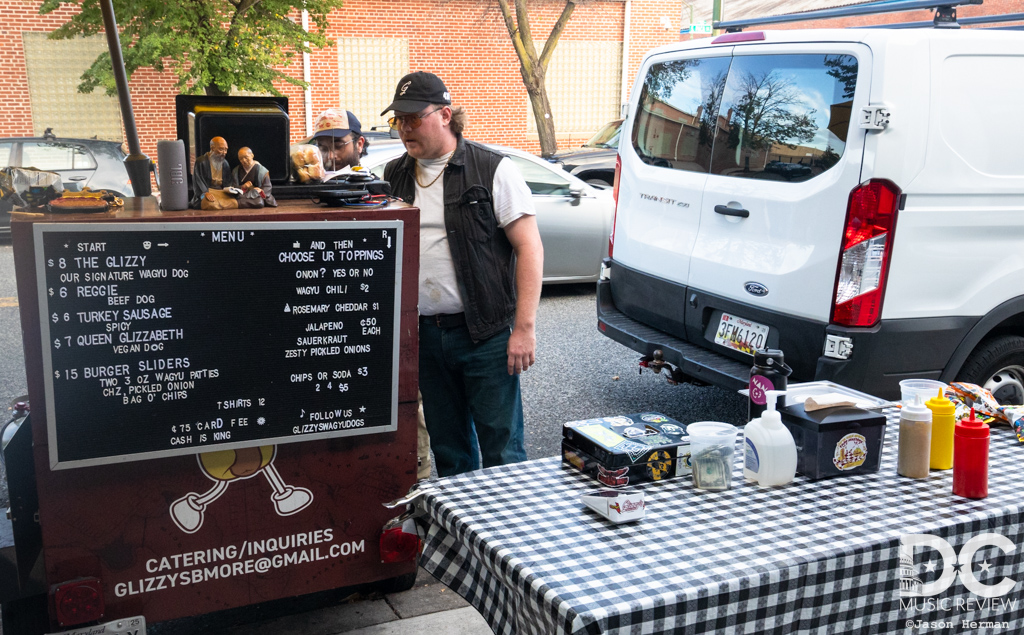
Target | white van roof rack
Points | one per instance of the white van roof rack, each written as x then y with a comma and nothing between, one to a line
981,19
945,13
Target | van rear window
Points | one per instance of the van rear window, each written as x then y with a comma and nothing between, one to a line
771,117
675,121
784,117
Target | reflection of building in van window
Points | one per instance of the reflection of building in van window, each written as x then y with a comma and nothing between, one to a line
676,121
778,117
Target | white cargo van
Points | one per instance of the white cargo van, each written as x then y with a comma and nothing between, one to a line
853,197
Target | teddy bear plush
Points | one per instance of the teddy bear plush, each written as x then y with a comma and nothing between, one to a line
307,163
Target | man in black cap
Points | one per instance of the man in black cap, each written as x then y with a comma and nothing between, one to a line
480,277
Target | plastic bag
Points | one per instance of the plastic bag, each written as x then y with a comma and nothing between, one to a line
20,187
307,163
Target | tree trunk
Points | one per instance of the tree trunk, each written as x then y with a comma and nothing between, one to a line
213,90
542,114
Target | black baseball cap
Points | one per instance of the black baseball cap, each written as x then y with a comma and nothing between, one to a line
418,90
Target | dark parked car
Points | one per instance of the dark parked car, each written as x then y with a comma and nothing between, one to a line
594,162
81,163
787,170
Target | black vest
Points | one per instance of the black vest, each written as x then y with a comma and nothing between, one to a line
483,256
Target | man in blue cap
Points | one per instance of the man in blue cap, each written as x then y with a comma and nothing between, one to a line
340,139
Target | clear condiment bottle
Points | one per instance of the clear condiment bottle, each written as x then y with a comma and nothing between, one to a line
943,421
970,458
915,440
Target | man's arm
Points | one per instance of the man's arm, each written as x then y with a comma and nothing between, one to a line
525,239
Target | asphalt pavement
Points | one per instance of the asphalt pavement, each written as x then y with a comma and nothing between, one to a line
579,374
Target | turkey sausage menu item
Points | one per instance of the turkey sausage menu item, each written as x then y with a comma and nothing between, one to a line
179,338
627,449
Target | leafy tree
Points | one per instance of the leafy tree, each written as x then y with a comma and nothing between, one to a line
534,67
211,45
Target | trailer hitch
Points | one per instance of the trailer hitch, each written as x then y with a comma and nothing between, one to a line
656,362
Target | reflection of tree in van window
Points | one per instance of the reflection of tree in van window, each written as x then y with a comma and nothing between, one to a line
677,114
784,117
766,114
661,82
843,68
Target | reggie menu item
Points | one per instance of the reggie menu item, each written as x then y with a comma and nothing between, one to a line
168,339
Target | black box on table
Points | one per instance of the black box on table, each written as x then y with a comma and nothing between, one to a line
835,441
627,449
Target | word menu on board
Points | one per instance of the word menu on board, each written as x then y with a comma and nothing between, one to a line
162,339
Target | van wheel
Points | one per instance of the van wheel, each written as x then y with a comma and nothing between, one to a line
599,182
998,366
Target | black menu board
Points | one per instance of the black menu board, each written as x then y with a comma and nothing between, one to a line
162,339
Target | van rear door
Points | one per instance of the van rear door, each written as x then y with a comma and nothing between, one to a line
665,159
787,153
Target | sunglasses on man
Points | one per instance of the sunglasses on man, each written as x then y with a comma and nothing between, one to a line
413,121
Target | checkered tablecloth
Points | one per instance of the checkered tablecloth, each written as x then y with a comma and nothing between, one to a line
807,557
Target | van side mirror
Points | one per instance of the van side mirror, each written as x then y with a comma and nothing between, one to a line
575,193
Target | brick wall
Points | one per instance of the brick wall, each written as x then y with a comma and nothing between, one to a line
463,41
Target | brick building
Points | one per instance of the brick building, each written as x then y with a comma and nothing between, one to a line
463,41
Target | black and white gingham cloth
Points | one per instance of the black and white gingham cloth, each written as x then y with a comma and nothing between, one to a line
807,557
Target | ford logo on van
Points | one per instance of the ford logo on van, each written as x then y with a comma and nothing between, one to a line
756,288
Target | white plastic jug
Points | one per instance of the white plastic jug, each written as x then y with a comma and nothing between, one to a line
769,449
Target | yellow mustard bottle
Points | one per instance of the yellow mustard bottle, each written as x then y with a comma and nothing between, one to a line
943,427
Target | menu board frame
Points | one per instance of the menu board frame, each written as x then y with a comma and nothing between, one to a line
94,228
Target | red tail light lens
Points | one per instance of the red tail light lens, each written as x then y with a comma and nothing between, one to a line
78,601
866,251
400,544
615,197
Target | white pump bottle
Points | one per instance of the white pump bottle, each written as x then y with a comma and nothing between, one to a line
769,449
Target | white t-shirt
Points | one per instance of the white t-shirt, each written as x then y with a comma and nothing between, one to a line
439,289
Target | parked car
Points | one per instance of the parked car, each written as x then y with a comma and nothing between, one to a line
80,162
892,257
594,162
574,217
787,170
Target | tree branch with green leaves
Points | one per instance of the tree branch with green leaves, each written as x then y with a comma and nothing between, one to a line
212,46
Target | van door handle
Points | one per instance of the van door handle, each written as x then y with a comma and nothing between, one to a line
77,178
730,211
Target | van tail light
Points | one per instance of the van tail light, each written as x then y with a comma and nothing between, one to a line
78,601
615,197
866,253
400,541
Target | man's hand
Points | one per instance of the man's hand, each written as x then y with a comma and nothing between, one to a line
522,347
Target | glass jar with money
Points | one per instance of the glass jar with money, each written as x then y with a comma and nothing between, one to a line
712,447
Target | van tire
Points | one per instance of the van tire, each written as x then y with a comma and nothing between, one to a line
998,365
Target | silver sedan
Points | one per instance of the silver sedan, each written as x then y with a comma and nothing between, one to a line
574,217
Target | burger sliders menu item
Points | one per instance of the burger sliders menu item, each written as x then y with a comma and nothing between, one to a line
627,449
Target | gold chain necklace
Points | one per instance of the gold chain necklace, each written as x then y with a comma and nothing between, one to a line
417,174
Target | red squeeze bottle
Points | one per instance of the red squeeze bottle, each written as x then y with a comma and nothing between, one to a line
970,458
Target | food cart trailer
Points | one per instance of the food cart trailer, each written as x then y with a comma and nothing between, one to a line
221,401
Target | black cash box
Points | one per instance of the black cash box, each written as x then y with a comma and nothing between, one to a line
835,441
627,449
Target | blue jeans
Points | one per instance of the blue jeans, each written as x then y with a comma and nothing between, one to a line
469,398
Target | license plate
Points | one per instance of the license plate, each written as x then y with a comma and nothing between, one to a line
124,626
740,334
